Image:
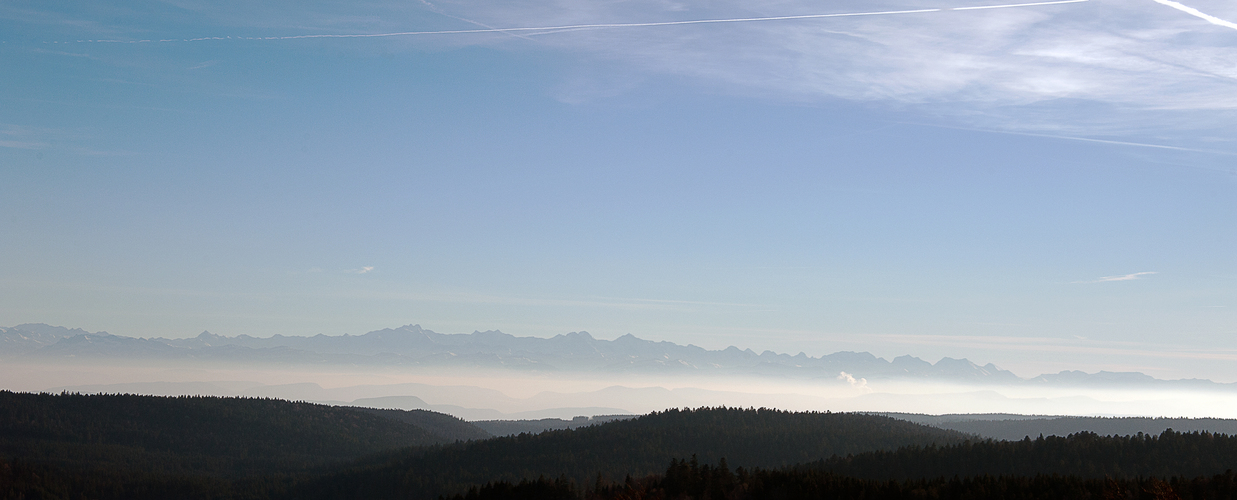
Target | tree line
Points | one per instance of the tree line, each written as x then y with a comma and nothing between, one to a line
71,446
689,480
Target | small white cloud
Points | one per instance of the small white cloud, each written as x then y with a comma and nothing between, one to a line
1124,277
365,269
861,384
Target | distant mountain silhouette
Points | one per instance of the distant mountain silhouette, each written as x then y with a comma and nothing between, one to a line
33,336
412,345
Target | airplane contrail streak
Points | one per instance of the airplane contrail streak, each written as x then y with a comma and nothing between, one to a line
1199,14
622,25
1084,139
574,27
1058,2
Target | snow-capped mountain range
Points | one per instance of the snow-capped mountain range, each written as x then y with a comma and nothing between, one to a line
412,345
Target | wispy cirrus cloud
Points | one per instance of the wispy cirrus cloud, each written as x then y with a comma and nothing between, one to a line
205,64
1197,13
1123,277
19,137
1096,67
22,144
51,139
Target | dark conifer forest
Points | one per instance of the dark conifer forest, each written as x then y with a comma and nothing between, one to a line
753,437
71,446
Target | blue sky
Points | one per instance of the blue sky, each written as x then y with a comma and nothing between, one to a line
970,183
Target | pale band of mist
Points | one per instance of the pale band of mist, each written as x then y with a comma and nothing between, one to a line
472,393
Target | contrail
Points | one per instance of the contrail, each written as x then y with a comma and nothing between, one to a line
1082,139
469,21
1017,5
1199,14
573,27
1124,143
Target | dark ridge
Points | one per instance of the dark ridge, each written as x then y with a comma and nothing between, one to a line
685,480
446,426
1063,426
516,427
1084,454
640,446
194,435
1083,466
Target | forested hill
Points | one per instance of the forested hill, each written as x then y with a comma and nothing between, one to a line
1084,454
224,437
445,427
141,447
1170,466
644,445
1014,430
685,480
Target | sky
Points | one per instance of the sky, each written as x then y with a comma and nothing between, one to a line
1044,187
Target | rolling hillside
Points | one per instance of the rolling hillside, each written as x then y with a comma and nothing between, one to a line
640,446
226,437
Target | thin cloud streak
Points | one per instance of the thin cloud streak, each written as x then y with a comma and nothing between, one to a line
1017,66
1033,68
206,64
1080,139
23,145
573,27
1127,143
534,29
1124,277
1196,13
1007,6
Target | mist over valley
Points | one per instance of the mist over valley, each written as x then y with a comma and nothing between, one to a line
491,376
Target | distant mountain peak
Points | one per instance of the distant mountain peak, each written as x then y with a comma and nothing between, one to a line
412,345
577,335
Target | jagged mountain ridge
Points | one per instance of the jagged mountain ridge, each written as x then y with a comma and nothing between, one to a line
411,345
33,336
579,350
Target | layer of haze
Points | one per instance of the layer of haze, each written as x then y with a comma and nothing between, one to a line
1044,188
487,394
